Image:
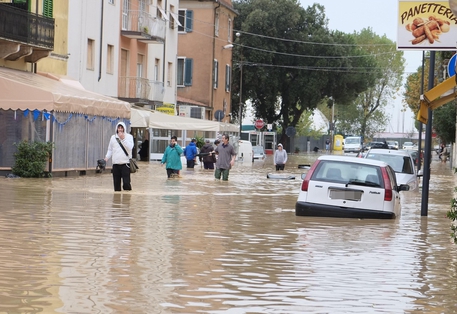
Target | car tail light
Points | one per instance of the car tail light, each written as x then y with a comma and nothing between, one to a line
387,186
304,185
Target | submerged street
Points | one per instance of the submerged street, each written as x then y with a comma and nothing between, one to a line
196,245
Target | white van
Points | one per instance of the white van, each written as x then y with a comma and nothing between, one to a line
243,151
353,144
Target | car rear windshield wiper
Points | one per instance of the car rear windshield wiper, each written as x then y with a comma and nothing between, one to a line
362,183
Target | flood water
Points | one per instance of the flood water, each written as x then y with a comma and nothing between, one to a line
196,245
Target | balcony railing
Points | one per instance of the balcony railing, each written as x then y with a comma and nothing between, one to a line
157,91
140,89
26,27
142,25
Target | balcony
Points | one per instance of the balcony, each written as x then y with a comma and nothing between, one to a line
25,34
142,26
140,90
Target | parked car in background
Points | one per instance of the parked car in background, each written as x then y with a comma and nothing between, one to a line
409,146
352,144
371,145
343,186
259,153
392,144
401,162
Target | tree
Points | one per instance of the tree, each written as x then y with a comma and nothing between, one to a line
291,61
366,116
444,122
305,128
444,117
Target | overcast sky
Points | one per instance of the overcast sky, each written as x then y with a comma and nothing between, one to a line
381,16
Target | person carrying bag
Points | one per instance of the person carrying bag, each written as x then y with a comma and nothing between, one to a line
120,149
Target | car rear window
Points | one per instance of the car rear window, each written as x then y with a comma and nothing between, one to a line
343,172
397,162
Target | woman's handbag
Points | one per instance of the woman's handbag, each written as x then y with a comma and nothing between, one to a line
132,162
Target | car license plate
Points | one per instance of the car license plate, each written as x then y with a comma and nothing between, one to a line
349,195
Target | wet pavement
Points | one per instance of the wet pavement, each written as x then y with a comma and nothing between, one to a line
196,245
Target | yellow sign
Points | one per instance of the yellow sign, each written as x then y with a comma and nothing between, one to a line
167,108
439,95
426,25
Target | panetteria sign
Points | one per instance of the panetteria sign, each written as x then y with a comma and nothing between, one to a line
426,25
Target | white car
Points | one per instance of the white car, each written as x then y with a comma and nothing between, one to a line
409,146
392,144
259,153
401,162
343,186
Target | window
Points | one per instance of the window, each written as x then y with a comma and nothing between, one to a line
229,35
184,72
110,59
156,69
161,14
215,73
216,25
47,8
111,1
228,75
171,22
125,14
90,54
185,18
169,73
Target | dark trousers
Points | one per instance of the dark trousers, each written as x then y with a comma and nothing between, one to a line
208,165
121,172
190,163
279,167
172,173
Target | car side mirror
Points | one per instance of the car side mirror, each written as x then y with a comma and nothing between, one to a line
420,173
403,187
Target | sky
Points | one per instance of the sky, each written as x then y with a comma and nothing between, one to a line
381,16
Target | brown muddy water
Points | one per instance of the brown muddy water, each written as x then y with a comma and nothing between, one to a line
196,245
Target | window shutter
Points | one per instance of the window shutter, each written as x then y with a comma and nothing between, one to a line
215,74
227,77
189,20
47,8
188,72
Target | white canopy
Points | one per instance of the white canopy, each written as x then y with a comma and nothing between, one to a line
139,118
142,118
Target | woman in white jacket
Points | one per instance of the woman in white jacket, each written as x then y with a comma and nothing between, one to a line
121,164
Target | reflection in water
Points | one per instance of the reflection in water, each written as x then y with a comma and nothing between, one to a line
71,245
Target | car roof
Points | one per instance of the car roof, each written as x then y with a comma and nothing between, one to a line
397,152
354,160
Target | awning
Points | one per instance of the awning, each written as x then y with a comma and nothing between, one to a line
158,120
139,117
175,17
142,117
22,90
439,95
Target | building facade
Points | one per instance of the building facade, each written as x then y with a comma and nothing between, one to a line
204,66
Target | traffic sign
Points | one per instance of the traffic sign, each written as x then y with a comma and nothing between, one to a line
290,131
259,124
451,65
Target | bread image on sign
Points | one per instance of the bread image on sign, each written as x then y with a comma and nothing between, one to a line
427,29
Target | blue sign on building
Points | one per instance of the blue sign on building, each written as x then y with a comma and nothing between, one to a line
451,65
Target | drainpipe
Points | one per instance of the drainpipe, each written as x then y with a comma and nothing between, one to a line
165,49
214,55
101,42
